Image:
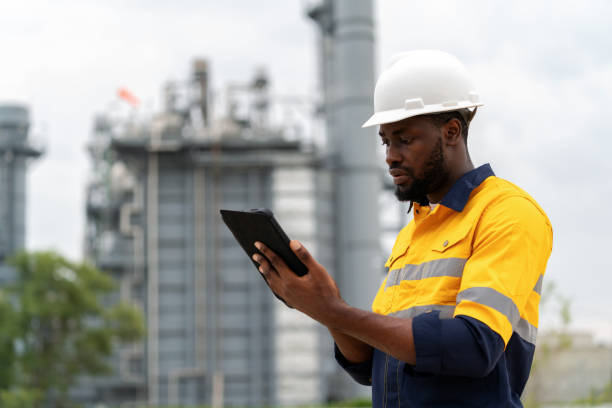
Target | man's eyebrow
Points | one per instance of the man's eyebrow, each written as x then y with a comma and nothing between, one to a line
395,132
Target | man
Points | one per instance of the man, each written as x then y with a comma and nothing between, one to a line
454,322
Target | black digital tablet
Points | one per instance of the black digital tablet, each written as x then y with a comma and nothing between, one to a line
260,225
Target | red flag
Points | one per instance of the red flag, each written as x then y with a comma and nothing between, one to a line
129,97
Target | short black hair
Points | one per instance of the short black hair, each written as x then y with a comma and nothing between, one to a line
441,119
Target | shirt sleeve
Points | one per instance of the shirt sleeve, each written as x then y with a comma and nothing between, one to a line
511,246
498,295
462,346
360,372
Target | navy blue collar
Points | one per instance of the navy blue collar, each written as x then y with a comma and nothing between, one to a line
457,197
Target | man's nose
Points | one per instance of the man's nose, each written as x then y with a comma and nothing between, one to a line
392,155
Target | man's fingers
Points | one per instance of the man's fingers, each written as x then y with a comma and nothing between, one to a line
275,261
265,268
269,274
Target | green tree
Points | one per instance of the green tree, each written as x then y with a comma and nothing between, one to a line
54,327
20,398
8,331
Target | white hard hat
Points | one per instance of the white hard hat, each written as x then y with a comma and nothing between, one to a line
421,82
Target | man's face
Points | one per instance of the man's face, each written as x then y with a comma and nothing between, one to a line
415,155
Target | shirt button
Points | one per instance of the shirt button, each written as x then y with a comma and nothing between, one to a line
445,243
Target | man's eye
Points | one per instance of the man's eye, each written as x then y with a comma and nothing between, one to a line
407,140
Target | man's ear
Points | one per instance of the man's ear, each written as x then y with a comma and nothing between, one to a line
452,132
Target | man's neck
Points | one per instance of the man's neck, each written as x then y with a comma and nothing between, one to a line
437,195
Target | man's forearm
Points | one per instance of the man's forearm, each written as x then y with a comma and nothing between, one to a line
392,335
354,350
317,295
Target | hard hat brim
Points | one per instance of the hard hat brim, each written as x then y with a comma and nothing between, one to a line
395,115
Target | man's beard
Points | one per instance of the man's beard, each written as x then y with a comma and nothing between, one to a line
435,174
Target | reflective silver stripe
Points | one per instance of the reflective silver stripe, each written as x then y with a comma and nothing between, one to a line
392,278
492,298
439,267
527,331
538,286
523,328
446,311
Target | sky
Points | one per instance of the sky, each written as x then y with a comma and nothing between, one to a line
543,69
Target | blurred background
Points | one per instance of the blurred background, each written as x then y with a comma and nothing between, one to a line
126,126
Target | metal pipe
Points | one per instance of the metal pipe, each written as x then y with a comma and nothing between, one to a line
218,388
133,230
358,183
9,157
358,176
201,77
152,278
347,69
136,232
200,266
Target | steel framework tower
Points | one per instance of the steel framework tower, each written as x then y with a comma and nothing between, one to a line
15,152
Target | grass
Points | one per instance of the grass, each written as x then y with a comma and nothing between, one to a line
357,403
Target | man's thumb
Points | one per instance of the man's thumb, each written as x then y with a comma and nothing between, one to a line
302,253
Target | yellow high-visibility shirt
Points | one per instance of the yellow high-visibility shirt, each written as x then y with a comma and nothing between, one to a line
486,261
469,272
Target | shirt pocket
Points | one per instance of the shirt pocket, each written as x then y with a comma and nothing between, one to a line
398,251
452,242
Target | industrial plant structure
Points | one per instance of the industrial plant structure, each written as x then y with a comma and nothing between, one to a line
215,335
16,150
214,332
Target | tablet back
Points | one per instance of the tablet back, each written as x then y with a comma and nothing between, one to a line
260,225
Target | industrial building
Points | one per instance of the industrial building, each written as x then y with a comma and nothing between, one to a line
215,334
16,151
211,322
